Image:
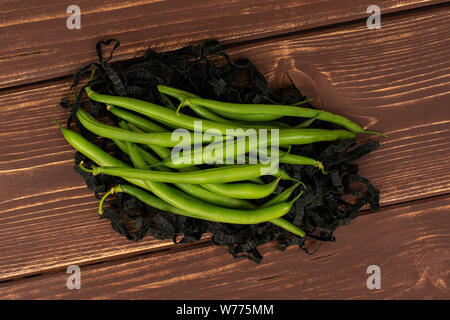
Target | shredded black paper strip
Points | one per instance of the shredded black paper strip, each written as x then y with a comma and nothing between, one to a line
209,72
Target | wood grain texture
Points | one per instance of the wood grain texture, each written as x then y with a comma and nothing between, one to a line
376,77
35,43
409,243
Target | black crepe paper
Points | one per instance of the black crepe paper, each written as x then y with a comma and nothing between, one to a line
209,72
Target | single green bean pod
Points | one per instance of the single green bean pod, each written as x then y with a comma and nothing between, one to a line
165,139
277,110
243,190
226,174
282,197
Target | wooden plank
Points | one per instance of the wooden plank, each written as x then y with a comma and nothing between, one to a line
37,45
36,235
408,242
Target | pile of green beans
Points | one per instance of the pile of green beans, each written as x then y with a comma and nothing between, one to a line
223,191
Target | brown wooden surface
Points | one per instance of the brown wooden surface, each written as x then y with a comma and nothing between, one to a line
35,43
394,80
408,242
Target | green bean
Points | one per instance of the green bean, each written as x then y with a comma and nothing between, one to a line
277,110
256,180
305,136
140,122
149,158
283,196
247,117
301,160
226,174
243,190
103,130
147,198
281,125
160,151
207,114
167,101
286,225
287,157
202,112
225,201
176,93
149,126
